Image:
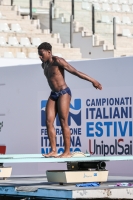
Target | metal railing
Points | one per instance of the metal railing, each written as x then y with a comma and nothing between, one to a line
11,2
71,30
114,32
72,8
93,19
50,16
30,2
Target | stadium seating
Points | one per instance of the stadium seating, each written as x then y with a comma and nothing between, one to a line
116,7
86,6
21,55
126,20
123,2
8,55
130,2
12,41
4,27
106,19
57,54
24,41
20,34
33,55
97,6
105,11
118,21
113,1
1,16
106,7
125,8
36,41
103,1
2,41
16,27
127,33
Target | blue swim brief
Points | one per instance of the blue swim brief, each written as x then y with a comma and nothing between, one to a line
55,95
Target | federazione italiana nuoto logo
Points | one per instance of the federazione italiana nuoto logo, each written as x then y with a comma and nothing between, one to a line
74,122
74,113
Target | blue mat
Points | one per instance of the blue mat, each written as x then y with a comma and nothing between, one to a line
88,185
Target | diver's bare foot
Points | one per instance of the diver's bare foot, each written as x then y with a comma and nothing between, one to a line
51,154
65,155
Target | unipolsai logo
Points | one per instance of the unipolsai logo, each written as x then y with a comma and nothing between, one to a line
74,113
1,125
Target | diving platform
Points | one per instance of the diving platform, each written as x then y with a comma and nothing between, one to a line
81,168
34,158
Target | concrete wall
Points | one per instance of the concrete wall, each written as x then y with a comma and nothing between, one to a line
87,48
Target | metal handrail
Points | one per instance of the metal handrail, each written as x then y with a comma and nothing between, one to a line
73,8
11,2
50,16
93,19
114,32
71,30
30,2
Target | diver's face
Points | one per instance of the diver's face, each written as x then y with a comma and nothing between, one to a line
44,55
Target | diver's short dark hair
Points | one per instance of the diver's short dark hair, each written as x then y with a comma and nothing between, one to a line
46,46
